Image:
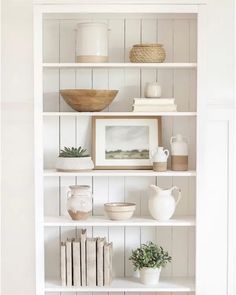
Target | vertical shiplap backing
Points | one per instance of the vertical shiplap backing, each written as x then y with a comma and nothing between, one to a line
179,39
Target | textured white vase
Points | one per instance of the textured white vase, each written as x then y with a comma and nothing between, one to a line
74,164
149,275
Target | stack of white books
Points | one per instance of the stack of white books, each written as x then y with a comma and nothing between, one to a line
86,261
154,105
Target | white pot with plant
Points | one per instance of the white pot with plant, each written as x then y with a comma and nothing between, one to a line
74,159
149,259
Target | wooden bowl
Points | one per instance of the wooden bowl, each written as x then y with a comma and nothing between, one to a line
88,100
119,211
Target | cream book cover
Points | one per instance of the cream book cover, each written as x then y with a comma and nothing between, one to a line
100,261
83,237
63,264
155,108
91,261
153,101
76,263
68,263
107,264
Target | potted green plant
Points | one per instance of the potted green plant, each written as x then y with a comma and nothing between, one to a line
74,159
149,260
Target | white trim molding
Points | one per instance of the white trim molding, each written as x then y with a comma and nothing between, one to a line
225,114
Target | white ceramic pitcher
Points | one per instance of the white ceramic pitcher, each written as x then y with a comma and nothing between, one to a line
162,203
160,155
159,159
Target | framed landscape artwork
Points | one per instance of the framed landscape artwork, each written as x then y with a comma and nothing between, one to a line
125,142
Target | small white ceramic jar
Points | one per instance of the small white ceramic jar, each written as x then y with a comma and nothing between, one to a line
79,202
92,42
153,90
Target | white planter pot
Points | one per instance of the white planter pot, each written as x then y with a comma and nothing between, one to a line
150,276
74,164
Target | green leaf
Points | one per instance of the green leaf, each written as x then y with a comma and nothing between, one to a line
73,152
149,255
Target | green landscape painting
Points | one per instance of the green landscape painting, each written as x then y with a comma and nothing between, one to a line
127,142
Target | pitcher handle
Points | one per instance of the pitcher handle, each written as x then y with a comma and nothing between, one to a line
179,194
68,195
171,139
167,153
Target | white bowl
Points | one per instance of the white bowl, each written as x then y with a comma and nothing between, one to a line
74,164
119,211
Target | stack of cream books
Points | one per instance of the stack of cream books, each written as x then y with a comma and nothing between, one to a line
86,262
154,105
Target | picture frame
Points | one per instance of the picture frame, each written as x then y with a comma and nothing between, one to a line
125,142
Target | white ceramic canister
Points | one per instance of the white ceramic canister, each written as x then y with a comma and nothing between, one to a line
79,201
179,153
92,42
159,158
153,90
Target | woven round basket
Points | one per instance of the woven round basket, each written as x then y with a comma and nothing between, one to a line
147,53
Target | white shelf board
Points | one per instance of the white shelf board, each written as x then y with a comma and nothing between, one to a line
52,221
122,65
117,114
53,172
178,284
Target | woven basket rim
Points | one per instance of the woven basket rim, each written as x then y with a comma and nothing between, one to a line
148,45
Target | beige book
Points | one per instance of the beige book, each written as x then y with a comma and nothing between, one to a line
83,237
154,101
76,263
91,261
110,261
107,264
68,263
154,108
63,264
100,263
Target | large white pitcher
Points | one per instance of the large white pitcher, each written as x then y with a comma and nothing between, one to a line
162,203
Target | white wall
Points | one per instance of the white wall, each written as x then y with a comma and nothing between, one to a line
17,127
17,149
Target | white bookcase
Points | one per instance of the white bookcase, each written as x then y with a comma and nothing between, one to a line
180,28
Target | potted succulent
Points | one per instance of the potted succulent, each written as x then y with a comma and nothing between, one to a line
74,159
149,260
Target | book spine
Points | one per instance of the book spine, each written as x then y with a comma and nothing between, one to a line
110,262
107,264
76,263
63,264
155,101
91,262
83,257
163,108
100,264
68,263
